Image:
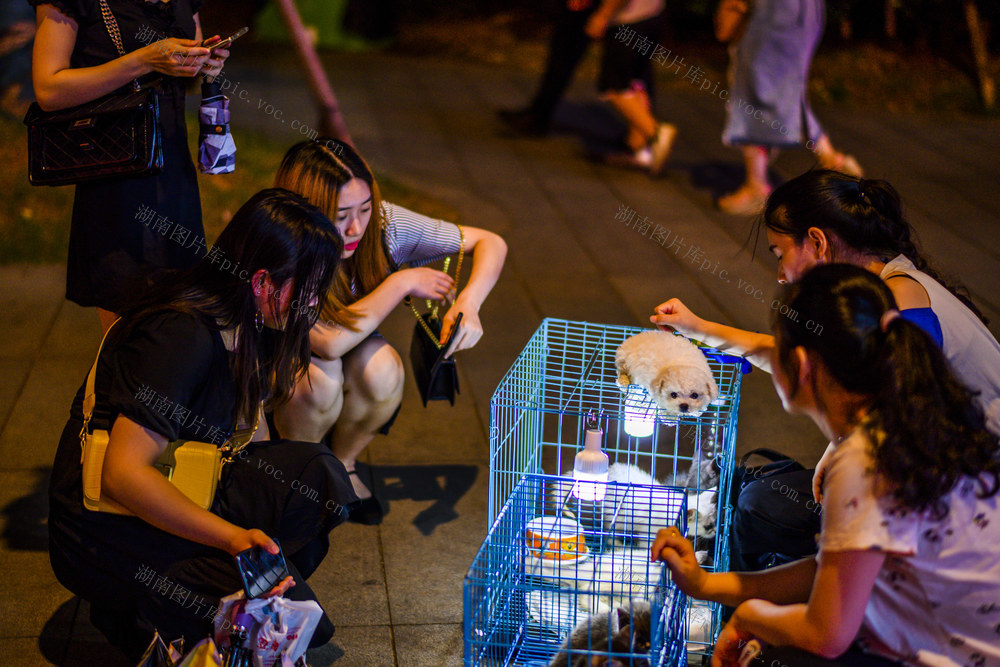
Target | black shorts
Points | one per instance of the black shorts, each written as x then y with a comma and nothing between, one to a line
622,63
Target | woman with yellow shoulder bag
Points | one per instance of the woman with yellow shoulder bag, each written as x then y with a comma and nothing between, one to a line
146,531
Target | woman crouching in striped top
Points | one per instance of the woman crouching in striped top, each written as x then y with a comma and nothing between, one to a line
355,381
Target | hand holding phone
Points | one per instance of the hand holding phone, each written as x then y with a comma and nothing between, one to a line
225,43
261,570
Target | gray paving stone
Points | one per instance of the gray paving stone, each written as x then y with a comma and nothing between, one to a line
429,645
27,306
76,333
33,430
429,542
14,372
350,582
356,646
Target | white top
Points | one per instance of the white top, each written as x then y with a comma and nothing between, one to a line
970,348
936,601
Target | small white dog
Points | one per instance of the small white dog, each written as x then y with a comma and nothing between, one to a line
671,368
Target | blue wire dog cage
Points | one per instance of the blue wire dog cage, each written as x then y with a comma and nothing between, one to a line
533,581
537,425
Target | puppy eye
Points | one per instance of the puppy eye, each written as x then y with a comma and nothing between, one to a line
694,395
673,394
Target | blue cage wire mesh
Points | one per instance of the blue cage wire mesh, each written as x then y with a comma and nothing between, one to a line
537,423
539,575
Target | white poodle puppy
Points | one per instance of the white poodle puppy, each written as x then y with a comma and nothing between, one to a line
671,368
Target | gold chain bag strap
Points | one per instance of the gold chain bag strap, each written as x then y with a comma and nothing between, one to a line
193,467
436,376
115,135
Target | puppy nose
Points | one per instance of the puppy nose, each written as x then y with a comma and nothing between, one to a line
684,407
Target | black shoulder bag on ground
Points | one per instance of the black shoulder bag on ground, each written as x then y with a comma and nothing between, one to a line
744,556
115,135
436,376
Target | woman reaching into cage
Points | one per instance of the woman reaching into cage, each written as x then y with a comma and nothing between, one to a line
820,217
355,381
908,569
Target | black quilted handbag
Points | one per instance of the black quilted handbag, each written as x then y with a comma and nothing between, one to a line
115,135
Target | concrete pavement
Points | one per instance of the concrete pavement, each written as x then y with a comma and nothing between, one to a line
394,591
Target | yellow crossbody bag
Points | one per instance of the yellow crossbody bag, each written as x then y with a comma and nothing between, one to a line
193,467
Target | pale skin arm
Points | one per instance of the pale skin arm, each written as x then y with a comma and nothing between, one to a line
488,254
488,251
816,604
785,584
331,341
673,315
130,479
58,86
825,625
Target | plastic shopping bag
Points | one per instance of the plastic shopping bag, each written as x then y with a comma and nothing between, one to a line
282,629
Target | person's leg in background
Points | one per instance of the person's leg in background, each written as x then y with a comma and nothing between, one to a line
626,81
750,197
566,49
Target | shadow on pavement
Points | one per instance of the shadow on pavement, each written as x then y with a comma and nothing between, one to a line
444,484
25,518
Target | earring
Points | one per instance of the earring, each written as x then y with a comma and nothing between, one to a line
258,321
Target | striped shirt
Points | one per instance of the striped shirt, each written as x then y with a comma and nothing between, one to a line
413,239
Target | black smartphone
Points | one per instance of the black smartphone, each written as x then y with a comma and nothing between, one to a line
260,570
446,345
224,43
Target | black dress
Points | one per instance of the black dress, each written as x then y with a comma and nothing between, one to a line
170,374
125,229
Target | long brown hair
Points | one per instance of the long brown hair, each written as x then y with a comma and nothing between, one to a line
317,170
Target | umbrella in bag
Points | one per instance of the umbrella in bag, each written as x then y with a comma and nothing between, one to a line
216,150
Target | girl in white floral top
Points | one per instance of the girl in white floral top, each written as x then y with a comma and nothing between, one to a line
908,570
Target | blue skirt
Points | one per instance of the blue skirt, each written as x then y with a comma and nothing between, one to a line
769,73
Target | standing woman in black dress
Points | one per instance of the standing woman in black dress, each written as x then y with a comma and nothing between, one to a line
113,250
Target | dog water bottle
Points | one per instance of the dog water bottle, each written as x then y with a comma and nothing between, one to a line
640,412
590,469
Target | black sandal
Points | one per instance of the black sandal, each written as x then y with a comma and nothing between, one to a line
368,512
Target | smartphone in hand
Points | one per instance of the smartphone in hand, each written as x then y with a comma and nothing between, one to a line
260,570
226,42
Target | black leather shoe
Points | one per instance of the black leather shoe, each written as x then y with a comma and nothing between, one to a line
368,512
524,121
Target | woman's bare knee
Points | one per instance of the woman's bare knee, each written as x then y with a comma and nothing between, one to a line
378,375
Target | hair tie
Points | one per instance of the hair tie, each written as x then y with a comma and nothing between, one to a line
887,318
861,192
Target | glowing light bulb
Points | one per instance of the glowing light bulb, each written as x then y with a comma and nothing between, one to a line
590,468
640,412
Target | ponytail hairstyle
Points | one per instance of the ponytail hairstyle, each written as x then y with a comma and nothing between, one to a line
862,217
317,170
926,428
283,234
